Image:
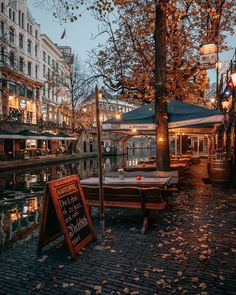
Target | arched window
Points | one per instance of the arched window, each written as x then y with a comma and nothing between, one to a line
21,64
2,28
12,59
19,17
23,20
21,41
29,46
12,35
2,7
10,13
29,68
2,54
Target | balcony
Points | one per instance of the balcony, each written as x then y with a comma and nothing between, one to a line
53,125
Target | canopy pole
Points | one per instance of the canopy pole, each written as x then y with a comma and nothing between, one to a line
100,168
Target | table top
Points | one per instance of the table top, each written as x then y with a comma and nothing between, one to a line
129,181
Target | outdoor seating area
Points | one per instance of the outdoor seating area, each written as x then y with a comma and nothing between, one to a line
146,199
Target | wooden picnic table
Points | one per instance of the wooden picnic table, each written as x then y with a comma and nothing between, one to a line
129,181
152,167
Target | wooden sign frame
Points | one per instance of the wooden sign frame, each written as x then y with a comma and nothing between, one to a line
64,203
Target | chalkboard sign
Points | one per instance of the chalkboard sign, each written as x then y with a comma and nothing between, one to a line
65,211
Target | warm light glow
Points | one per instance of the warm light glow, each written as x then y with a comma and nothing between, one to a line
84,110
183,133
219,65
225,104
11,97
233,78
134,130
178,133
100,118
118,116
100,95
160,139
213,100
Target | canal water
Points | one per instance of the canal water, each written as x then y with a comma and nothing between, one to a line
21,191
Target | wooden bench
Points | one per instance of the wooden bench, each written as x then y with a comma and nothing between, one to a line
128,197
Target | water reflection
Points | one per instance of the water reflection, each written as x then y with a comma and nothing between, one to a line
21,192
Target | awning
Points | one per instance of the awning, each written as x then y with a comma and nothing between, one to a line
4,134
180,115
26,134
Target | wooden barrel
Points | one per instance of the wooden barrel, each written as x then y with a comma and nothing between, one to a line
210,158
220,172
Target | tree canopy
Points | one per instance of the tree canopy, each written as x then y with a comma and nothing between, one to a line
126,62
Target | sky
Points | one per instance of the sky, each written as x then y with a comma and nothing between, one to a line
78,34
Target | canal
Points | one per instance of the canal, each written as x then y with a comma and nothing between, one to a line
21,191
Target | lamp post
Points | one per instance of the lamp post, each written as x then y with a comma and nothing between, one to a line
225,103
100,167
233,78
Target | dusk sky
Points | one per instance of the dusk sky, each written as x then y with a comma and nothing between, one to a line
78,34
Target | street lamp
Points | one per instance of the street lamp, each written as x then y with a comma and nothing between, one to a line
225,103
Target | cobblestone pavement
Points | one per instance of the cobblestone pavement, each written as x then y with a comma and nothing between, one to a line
190,249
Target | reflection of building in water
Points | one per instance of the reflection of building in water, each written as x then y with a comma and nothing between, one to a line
2,232
19,222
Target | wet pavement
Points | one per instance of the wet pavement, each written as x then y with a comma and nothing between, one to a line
189,249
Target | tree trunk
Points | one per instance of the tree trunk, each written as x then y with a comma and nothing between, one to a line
72,114
162,136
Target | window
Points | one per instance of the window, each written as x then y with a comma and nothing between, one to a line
44,90
44,71
21,41
2,7
19,18
36,50
36,34
29,93
12,35
49,92
12,88
37,93
27,27
10,13
49,73
49,60
13,16
30,30
29,45
44,55
2,29
57,66
53,63
2,54
21,90
21,64
23,20
36,71
29,68
12,59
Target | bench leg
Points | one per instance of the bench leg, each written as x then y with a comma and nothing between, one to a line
90,210
146,221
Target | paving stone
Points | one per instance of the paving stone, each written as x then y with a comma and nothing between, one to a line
199,223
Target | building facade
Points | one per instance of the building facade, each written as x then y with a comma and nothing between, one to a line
109,107
32,69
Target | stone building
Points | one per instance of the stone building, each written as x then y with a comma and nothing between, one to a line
31,95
